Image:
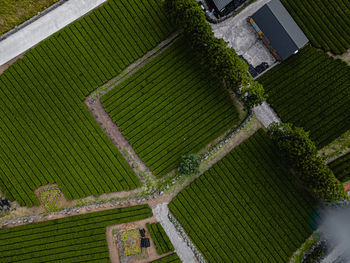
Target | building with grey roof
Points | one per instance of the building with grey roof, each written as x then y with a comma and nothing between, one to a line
278,30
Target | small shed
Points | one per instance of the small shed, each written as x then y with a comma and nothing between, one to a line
278,30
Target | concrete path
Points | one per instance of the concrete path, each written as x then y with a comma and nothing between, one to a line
266,114
183,251
45,26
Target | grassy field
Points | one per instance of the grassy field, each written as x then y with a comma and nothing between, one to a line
311,90
80,238
169,108
341,167
160,238
247,207
15,12
47,133
325,22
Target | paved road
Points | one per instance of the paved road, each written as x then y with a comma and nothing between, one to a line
45,26
181,248
266,114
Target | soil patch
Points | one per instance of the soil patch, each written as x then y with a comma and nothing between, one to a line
115,249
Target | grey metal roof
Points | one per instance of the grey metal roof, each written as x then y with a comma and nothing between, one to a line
280,29
285,19
220,4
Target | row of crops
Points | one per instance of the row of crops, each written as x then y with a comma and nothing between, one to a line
47,134
247,207
341,168
325,22
79,238
160,239
170,107
172,258
311,90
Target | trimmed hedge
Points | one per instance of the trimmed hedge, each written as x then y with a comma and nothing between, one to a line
160,238
78,238
247,207
47,134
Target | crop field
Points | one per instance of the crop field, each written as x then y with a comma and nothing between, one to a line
247,207
311,90
172,258
325,22
341,167
160,238
169,108
47,134
80,238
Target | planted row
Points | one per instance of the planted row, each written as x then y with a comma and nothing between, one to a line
172,258
247,207
311,90
170,107
47,134
69,239
160,238
341,167
325,22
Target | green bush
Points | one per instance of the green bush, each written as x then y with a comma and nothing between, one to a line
190,164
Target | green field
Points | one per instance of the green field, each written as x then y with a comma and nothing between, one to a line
311,90
172,258
341,167
325,22
80,238
47,134
247,207
169,108
160,239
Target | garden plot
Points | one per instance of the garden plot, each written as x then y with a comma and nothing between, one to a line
242,37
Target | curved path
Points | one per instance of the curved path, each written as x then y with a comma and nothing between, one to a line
32,34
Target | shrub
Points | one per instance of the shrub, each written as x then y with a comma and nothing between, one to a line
190,164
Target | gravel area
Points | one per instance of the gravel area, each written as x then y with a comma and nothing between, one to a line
266,114
184,252
242,37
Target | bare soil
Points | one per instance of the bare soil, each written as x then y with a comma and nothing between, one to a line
345,56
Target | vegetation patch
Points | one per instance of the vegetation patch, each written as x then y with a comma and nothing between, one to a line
75,238
247,207
14,12
170,107
47,134
160,238
131,242
311,90
326,23
50,198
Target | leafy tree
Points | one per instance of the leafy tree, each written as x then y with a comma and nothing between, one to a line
190,164
253,95
301,153
222,61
